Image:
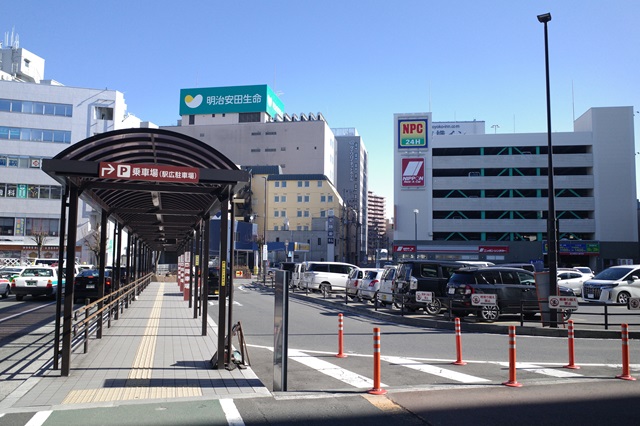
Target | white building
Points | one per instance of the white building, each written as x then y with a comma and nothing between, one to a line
38,119
484,196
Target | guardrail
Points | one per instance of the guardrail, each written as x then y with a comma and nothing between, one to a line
526,313
89,319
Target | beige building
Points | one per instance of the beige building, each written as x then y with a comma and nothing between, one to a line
300,208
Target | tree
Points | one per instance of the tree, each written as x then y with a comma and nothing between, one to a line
40,237
92,242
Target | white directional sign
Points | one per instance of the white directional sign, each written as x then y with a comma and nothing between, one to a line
483,299
563,302
424,296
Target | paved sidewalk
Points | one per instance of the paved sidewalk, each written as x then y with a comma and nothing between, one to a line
155,351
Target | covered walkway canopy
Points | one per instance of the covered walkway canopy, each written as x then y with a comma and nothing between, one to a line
159,185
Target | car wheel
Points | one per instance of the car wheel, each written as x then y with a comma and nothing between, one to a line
325,289
566,315
19,297
489,313
623,297
434,307
6,293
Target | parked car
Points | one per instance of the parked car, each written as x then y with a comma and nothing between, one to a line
613,285
572,279
326,276
5,287
10,272
515,291
36,281
370,285
354,280
387,285
423,275
296,275
213,282
86,285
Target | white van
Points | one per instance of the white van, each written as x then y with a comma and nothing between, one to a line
326,276
296,275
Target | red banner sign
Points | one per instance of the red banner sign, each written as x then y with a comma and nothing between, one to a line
149,172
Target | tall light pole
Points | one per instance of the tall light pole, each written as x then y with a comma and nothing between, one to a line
415,229
552,237
264,236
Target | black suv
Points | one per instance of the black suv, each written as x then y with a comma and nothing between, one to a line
423,275
515,291
213,283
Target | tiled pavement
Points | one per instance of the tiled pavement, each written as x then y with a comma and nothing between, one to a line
155,350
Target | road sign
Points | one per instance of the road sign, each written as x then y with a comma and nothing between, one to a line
424,296
149,172
483,299
563,302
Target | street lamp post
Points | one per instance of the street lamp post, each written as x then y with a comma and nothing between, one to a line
264,236
415,229
552,237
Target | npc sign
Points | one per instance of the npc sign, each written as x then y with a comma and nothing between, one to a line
479,299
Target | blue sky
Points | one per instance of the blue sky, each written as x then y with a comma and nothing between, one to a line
356,62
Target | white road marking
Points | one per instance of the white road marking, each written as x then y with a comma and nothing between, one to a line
39,418
231,412
216,303
26,312
431,369
540,370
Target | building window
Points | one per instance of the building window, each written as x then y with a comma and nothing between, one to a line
283,198
277,184
306,213
192,119
319,184
299,228
299,198
276,213
104,113
284,183
306,198
306,183
255,149
270,133
323,213
256,133
283,213
275,228
323,198
330,199
269,150
249,117
299,184
306,227
276,199
299,213
319,241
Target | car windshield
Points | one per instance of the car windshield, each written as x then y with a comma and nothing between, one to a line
612,274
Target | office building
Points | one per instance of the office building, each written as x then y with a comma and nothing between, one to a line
38,119
484,196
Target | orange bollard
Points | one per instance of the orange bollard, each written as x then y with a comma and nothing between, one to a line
458,360
340,336
377,390
512,359
570,334
187,293
625,354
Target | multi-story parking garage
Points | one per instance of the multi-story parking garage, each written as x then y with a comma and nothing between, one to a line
485,196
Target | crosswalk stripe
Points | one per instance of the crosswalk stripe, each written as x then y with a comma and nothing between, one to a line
541,370
324,367
436,371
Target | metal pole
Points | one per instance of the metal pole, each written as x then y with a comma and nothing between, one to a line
264,236
552,238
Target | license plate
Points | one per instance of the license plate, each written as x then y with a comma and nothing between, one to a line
91,286
32,282
590,296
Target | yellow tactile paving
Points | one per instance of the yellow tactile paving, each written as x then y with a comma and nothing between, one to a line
128,394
